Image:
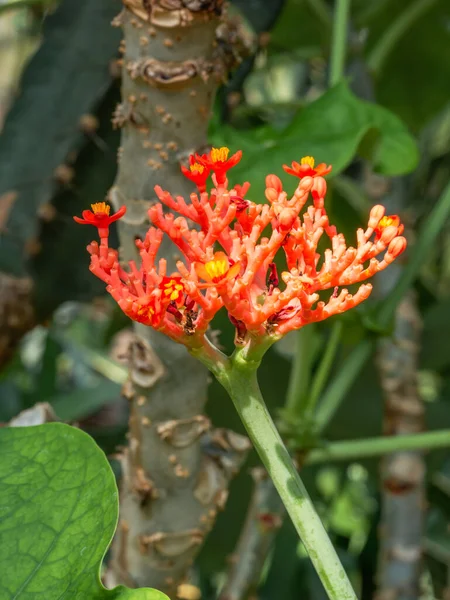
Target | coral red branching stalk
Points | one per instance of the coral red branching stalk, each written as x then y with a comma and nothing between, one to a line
230,245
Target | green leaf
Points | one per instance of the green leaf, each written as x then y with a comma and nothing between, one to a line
413,81
301,24
58,513
331,129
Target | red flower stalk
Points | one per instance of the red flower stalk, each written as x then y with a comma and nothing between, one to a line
241,275
100,218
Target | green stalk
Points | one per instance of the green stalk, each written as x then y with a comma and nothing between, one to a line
337,390
326,363
242,385
395,32
339,41
297,393
425,241
322,12
372,447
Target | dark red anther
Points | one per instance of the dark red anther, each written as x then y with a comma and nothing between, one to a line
273,279
241,203
173,310
240,329
335,292
283,315
189,303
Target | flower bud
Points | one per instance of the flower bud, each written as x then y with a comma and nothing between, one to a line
286,219
397,246
388,234
271,195
376,214
272,181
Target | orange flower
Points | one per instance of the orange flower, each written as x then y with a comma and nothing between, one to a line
388,221
217,271
198,173
100,218
217,160
306,168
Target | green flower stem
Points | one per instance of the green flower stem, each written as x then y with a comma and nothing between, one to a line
213,358
241,382
297,394
325,365
395,32
337,390
339,41
372,447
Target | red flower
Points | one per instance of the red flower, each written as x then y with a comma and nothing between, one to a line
172,290
230,245
143,313
99,217
306,168
198,173
388,221
217,160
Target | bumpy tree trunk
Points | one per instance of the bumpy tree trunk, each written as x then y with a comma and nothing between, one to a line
175,471
403,508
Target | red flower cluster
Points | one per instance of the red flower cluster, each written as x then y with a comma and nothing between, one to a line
241,276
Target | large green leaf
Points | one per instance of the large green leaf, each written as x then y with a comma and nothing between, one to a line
58,512
413,81
301,24
332,129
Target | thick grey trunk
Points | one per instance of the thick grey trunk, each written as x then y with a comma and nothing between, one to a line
175,474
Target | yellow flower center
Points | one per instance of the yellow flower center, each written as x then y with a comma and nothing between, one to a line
173,289
387,222
101,208
308,160
197,168
145,311
217,268
219,154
